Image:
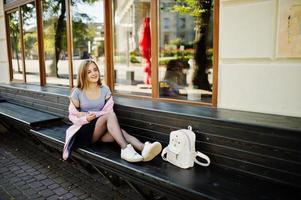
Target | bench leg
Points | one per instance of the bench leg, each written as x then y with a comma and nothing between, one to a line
112,178
145,193
4,126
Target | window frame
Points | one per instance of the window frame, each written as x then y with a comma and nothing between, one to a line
108,48
17,6
154,13
9,47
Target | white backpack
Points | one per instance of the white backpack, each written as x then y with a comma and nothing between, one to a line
181,149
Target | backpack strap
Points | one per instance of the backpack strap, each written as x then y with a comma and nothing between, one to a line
164,153
201,155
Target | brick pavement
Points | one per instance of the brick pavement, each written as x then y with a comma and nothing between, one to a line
28,171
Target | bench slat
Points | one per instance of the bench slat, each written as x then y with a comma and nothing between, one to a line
27,116
213,182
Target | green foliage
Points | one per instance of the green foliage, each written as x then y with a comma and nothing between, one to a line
30,42
134,59
163,61
82,30
177,53
177,42
190,7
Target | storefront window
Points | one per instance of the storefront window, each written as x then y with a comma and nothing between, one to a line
132,67
88,34
55,42
185,46
15,45
30,43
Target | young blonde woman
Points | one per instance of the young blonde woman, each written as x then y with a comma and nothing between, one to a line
93,117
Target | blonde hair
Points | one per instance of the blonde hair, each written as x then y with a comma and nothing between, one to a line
82,80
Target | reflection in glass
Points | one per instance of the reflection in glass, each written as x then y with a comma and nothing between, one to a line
15,41
55,42
30,43
88,33
132,47
185,42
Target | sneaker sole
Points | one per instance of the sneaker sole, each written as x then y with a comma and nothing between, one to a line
132,160
155,151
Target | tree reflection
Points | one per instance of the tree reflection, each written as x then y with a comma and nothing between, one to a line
54,32
54,15
14,36
201,11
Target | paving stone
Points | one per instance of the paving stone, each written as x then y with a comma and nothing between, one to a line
15,193
14,180
25,167
47,182
35,173
29,192
41,177
46,193
24,187
39,198
26,178
29,170
34,196
53,186
46,176
3,169
35,184
20,183
54,197
59,180
19,172
84,196
60,191
67,195
77,192
14,168
22,175
30,180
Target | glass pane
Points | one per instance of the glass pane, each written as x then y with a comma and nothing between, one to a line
185,42
88,34
55,42
9,1
15,45
132,47
30,43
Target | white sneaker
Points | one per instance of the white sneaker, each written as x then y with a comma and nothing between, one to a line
151,150
129,154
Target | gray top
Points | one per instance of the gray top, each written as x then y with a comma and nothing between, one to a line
86,104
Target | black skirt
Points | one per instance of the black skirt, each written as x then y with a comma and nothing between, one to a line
83,137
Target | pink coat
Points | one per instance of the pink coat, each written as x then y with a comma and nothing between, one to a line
79,121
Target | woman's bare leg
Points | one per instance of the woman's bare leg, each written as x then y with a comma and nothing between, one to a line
107,137
133,140
100,128
109,123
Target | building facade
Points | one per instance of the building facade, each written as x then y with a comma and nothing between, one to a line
252,58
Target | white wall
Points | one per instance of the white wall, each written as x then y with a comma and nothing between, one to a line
252,77
4,73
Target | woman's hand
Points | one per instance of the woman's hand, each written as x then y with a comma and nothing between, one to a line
90,117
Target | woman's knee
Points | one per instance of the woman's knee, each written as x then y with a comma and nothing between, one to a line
102,120
111,115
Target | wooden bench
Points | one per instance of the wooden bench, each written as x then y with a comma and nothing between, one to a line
196,183
25,117
250,160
